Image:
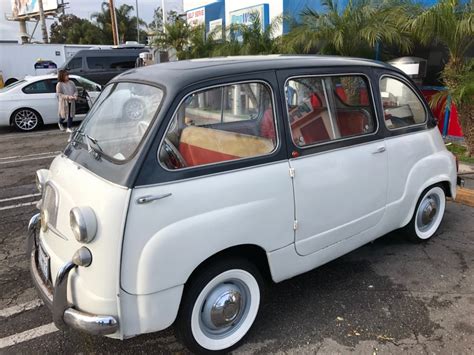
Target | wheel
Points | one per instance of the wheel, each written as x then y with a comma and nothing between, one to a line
26,119
219,306
428,214
134,109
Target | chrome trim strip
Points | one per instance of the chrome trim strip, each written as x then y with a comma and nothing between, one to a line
373,105
275,120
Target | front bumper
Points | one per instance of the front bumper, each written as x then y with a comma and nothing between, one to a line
55,297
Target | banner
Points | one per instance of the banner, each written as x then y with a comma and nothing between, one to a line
28,7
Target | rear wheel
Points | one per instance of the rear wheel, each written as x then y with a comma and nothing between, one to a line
26,119
219,306
428,214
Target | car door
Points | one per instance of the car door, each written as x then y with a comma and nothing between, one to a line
41,97
226,187
339,160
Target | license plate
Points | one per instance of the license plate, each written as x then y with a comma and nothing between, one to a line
43,262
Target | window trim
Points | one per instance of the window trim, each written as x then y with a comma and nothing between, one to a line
420,99
372,103
275,119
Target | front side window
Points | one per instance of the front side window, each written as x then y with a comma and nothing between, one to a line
401,106
75,63
120,118
220,124
323,109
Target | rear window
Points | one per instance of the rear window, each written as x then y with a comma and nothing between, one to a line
12,85
117,62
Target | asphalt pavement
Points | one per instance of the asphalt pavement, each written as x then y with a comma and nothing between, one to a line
390,296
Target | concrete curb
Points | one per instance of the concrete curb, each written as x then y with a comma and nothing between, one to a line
465,196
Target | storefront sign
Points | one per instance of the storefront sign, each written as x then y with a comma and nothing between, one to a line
196,17
215,27
245,16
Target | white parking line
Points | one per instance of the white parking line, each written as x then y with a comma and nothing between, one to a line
27,335
18,205
29,155
22,160
8,312
19,197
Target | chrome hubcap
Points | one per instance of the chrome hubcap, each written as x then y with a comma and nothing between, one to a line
224,308
26,120
427,212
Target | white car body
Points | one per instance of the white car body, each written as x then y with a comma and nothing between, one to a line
13,98
296,213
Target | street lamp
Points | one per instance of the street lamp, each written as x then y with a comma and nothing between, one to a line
138,22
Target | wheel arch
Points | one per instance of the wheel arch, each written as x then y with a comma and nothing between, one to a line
251,252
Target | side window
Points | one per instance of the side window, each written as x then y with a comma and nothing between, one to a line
122,62
75,63
401,106
39,87
220,124
322,109
98,63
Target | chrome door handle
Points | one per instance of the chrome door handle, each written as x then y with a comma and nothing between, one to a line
379,150
150,198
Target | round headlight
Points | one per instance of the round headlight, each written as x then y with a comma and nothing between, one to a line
83,224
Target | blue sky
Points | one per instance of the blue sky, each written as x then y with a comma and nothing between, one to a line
81,8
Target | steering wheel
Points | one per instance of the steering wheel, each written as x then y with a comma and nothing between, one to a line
174,158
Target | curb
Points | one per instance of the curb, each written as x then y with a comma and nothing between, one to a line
465,196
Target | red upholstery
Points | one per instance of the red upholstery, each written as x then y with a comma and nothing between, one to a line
199,156
267,126
351,123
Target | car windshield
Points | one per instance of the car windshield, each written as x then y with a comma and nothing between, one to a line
12,85
119,119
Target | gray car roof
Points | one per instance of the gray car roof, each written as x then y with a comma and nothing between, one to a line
182,73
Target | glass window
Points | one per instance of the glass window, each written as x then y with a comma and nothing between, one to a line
12,85
322,109
75,63
39,87
401,106
220,124
120,118
86,84
116,62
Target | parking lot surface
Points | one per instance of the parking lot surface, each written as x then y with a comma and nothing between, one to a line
389,296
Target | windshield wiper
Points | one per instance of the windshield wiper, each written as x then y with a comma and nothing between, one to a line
97,151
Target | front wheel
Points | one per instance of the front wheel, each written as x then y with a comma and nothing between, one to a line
428,214
219,306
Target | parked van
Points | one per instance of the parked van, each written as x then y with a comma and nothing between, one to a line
201,179
101,65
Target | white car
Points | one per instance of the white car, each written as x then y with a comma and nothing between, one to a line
29,103
191,183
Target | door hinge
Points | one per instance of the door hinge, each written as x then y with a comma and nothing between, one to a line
295,224
292,172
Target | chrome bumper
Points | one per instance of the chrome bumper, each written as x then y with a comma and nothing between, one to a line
55,298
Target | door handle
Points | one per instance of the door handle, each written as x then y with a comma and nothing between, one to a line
379,150
151,198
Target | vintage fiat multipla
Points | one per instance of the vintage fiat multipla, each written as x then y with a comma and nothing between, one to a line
191,183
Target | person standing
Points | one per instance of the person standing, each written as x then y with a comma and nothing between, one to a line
66,91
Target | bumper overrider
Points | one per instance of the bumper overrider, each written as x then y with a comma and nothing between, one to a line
55,297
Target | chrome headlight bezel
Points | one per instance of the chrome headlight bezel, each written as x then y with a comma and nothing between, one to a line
83,224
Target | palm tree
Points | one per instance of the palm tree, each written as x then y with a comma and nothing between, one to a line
354,31
175,36
451,23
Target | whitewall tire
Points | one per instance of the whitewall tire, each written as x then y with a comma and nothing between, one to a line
219,306
428,214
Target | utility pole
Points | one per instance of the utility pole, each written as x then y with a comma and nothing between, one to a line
113,21
43,21
164,14
138,23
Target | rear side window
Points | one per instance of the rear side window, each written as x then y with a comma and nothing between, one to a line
116,62
323,109
40,87
401,106
221,124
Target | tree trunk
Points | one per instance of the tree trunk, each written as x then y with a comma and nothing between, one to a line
466,119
